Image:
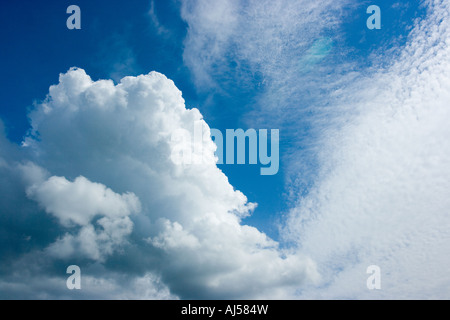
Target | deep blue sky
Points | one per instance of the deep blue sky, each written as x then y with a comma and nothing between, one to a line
118,39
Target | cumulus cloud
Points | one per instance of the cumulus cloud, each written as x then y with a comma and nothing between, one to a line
382,193
77,204
100,167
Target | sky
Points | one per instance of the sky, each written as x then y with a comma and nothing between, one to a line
88,119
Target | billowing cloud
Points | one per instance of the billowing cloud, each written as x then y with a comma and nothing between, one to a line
76,204
100,167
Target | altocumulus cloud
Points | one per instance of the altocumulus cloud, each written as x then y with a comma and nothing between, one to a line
94,185
382,193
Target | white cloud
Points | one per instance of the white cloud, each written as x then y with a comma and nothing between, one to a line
265,48
189,227
78,202
382,193
265,34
